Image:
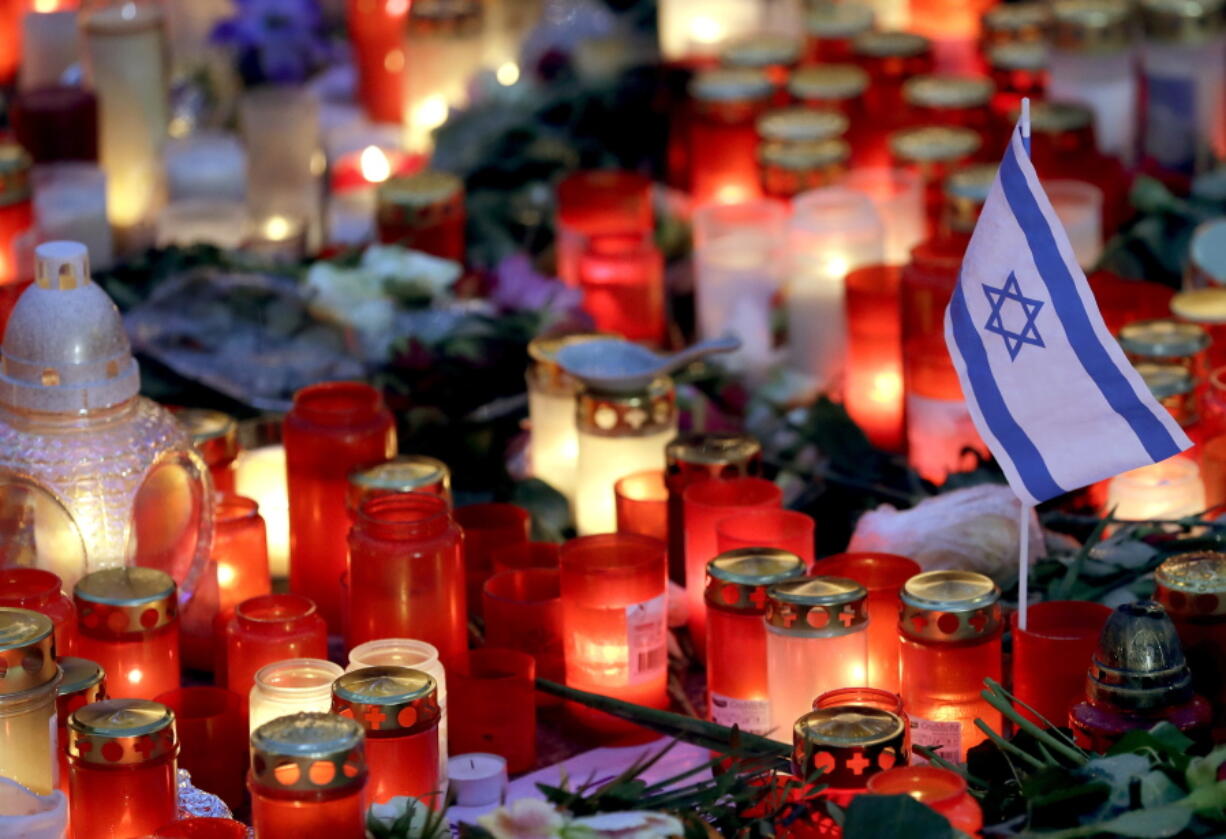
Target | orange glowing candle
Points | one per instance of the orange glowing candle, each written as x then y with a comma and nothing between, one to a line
873,392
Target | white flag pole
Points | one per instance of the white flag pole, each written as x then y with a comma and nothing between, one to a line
1023,522
1026,121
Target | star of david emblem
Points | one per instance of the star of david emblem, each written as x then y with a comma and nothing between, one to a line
1014,338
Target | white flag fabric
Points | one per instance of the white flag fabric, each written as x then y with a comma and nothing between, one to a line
1047,385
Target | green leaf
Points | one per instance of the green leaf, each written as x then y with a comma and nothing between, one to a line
877,816
1151,823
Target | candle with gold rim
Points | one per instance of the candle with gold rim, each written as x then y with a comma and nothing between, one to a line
28,681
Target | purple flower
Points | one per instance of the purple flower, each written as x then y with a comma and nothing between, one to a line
518,286
278,41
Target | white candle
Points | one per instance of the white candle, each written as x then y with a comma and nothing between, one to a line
603,461
1170,489
689,29
1079,206
444,52
210,166
49,47
291,686
480,784
70,201
260,474
280,128
224,224
898,196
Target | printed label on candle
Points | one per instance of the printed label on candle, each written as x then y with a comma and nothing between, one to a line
750,715
942,736
647,633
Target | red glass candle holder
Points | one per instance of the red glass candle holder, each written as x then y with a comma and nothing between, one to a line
212,727
599,203
488,527
615,624
332,429
407,575
841,88
787,530
883,575
1192,589
723,150
523,555
889,58
128,622
706,504
873,392
268,629
424,211
864,697
121,768
16,210
83,683
403,473
215,436
398,709
941,789
493,707
1051,655
57,123
523,611
377,33
622,278
40,591
642,504
203,829
308,778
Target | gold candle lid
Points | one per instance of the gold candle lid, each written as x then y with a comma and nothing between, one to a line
731,84
1166,380
817,607
628,414
839,20
737,580
805,156
1020,55
1193,585
798,124
847,744
122,732
1201,305
828,82
309,752
966,190
84,682
891,44
545,372
215,434
121,18
947,91
1097,26
27,650
934,143
761,50
950,606
1016,22
403,473
1163,338
417,199
1183,21
14,174
387,699
119,601
1057,117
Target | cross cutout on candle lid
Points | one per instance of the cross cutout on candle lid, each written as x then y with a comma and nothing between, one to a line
374,716
847,616
758,597
858,763
789,616
978,621
144,745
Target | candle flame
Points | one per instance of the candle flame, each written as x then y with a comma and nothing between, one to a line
430,113
731,194
375,166
135,676
225,574
397,7
886,388
277,228
45,6
706,30
508,74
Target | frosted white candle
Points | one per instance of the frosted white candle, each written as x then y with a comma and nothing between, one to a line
1079,205
603,461
70,201
209,166
898,196
554,447
291,686
49,47
260,474
444,53
1170,489
480,784
689,29
223,224
280,129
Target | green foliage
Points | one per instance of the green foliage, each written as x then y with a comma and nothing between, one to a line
874,816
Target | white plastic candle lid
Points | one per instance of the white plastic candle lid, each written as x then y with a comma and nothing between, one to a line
65,349
1202,305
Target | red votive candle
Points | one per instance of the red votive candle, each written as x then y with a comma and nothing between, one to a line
376,30
737,690
615,624
332,429
398,709
1051,655
308,778
423,211
57,123
128,622
889,58
403,473
523,611
212,728
493,707
1192,589
599,203
873,393
121,768
787,530
524,555
622,277
268,629
202,829
725,106
487,528
40,591
83,683
407,575
16,210
883,575
215,436
864,697
642,504
706,504
941,789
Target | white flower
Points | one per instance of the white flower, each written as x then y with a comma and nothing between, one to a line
632,824
526,818
391,262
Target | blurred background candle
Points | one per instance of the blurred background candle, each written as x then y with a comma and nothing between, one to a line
423,211
70,205
279,125
622,278
739,263
222,224
291,687
944,790
27,699
16,210
212,730
1079,206
786,530
1170,489
829,30
933,152
41,591
49,45
523,555
898,196
215,436
523,611
268,629
83,683
873,382
691,31
614,619
839,88
735,597
553,447
1052,654
444,44
599,202
1191,587
725,104
493,701
260,474
126,62
642,504
403,473
128,622
488,527
375,30
788,169
56,124
209,166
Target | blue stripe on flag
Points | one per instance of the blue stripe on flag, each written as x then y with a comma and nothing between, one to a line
1027,459
1068,306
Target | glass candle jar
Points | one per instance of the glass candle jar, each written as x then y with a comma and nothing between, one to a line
488,527
950,628
801,123
308,778
128,622
16,211
725,104
27,700
444,41
493,701
882,700
941,789
290,686
770,52
737,691
57,123
615,623
841,88
619,434
1137,678
889,58
707,503
1018,71
599,203
831,28
83,683
789,169
1051,654
403,473
642,504
553,447
959,101
398,709
849,745
524,555
268,629
333,428
1169,489
933,152
212,729
785,530
1167,341
884,575
424,211
121,768
622,278
872,393
523,611
899,198
41,591
215,436
694,457
202,828
816,640
375,30
1192,589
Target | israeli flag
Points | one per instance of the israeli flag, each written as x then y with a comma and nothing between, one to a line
1048,387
